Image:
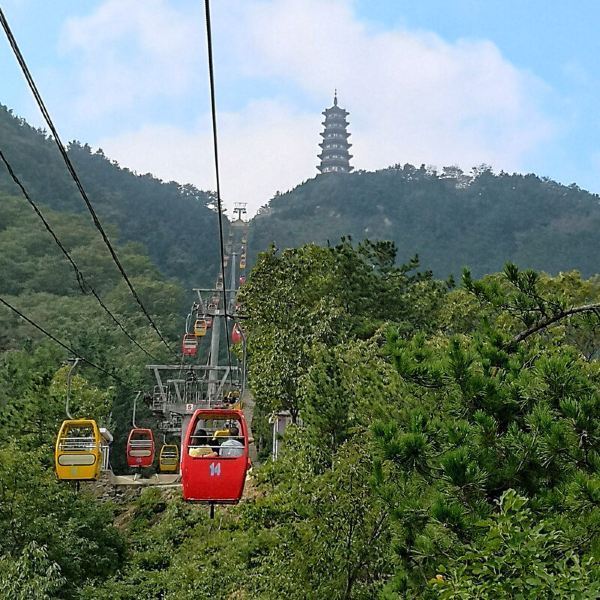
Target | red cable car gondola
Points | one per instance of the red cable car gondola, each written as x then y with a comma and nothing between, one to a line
140,447
189,345
213,465
236,334
242,280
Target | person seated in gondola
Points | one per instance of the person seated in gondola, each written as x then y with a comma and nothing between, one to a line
80,438
201,445
232,447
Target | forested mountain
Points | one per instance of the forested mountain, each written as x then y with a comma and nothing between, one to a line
446,442
448,448
38,280
451,219
173,221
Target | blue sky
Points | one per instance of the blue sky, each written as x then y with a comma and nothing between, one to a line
513,84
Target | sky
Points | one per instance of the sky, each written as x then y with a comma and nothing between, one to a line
508,83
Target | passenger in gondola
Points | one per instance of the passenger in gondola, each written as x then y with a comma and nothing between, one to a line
201,446
232,447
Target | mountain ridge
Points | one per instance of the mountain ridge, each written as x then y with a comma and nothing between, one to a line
451,219
140,208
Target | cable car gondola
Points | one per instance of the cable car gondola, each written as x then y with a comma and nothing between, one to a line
189,345
200,327
236,334
242,280
213,469
78,452
243,263
140,447
168,460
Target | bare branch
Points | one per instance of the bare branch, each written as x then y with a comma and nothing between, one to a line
595,308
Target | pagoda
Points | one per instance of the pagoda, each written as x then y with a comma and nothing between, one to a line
334,147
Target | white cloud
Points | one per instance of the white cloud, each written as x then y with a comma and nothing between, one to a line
413,97
262,149
132,52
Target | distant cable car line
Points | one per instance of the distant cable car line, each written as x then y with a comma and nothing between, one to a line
17,52
65,346
213,106
83,285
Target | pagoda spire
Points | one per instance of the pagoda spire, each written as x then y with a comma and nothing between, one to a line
334,156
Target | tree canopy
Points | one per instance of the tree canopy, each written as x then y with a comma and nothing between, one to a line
448,217
174,223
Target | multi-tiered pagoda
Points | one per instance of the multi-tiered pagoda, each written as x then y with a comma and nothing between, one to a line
334,154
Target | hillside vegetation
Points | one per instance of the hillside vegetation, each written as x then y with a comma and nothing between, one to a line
39,281
446,437
447,445
172,221
450,219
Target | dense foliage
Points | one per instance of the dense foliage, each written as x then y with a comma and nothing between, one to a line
450,451
51,537
450,218
40,282
445,441
174,222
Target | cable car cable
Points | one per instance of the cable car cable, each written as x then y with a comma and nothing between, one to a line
65,346
213,106
17,52
83,285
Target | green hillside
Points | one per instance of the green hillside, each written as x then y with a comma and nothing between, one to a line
446,439
451,219
39,281
436,457
172,221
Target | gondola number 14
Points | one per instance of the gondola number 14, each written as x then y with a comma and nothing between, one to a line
215,469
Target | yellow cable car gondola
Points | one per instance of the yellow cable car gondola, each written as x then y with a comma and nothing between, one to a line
200,327
243,263
78,452
168,461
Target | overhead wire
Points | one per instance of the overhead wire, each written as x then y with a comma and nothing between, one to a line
60,343
213,105
84,286
24,68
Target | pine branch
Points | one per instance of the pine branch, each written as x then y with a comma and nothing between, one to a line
544,323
